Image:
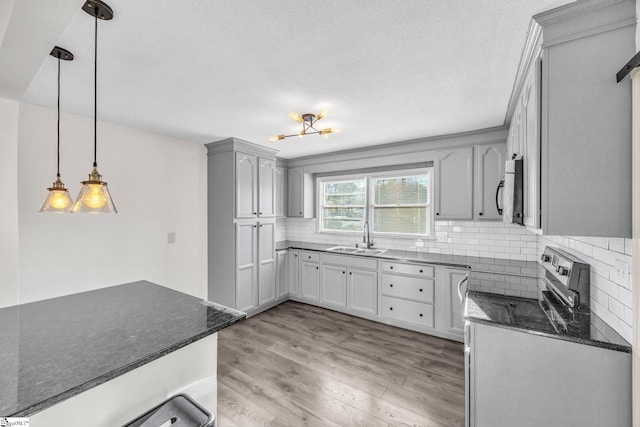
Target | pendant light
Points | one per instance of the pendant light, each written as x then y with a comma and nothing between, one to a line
94,195
58,200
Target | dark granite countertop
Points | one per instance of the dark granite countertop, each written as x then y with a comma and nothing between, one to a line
477,264
526,315
57,348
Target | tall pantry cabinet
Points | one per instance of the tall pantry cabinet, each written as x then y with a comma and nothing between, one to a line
241,204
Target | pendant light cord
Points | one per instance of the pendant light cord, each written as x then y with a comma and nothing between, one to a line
95,93
58,166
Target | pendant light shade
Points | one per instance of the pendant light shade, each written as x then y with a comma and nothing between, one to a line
94,195
58,200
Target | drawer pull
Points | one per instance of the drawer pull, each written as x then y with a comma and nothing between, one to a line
420,289
316,268
350,273
309,256
390,308
391,285
343,272
421,271
420,314
391,267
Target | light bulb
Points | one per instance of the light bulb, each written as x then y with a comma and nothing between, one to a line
325,135
336,130
273,138
59,199
323,113
300,134
295,116
95,198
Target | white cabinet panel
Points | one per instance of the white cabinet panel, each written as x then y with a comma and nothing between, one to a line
408,311
295,182
282,273
266,187
415,288
309,280
246,183
281,192
334,285
267,261
489,171
454,184
294,272
362,288
454,321
246,268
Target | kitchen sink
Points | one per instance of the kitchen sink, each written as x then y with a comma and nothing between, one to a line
357,251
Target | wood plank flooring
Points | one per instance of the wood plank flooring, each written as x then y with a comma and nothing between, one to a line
300,365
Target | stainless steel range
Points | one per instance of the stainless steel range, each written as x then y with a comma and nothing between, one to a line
567,284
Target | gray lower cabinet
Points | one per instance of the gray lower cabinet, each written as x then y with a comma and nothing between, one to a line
293,268
350,283
452,313
282,273
309,276
362,291
334,285
512,382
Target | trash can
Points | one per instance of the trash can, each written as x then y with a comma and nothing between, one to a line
177,411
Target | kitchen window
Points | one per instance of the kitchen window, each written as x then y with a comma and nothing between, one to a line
396,203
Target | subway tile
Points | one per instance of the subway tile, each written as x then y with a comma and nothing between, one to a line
616,308
628,247
625,296
616,244
626,331
628,316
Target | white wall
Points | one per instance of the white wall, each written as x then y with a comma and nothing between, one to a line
158,185
9,206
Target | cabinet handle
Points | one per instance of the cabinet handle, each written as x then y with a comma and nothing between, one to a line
350,273
464,279
420,289
316,268
420,314
296,255
309,256
254,226
261,213
344,272
300,213
437,213
501,185
260,225
391,268
254,213
420,271
391,285
480,214
390,308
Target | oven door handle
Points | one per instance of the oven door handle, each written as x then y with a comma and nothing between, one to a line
460,283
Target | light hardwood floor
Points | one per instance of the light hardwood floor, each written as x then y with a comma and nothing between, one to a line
300,365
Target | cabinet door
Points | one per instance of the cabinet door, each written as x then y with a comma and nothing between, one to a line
266,187
334,285
489,172
362,287
454,184
294,272
246,185
267,261
282,273
531,164
309,280
281,192
295,183
454,322
246,266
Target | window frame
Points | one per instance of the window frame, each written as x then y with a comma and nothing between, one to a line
369,197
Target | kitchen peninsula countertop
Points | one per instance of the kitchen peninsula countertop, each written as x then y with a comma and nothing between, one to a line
526,315
477,264
57,348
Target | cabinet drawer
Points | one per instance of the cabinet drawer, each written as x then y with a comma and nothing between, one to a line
350,261
413,269
415,288
309,256
408,311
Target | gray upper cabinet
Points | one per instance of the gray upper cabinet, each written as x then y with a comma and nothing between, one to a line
489,171
281,192
266,187
571,121
454,184
246,185
300,194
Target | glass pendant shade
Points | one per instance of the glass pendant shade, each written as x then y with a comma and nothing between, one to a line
58,200
94,196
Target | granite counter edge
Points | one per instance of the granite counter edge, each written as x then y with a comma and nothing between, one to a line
40,406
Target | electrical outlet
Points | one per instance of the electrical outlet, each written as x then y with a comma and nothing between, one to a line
171,237
620,273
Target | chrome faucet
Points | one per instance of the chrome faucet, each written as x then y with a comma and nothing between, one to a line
365,237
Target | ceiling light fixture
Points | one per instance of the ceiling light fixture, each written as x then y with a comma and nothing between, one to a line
308,121
94,195
58,200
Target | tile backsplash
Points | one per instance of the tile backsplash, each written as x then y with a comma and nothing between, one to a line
610,258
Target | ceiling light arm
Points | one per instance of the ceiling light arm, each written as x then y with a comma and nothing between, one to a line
95,90
58,164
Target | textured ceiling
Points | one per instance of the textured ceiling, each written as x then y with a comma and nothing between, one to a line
387,70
